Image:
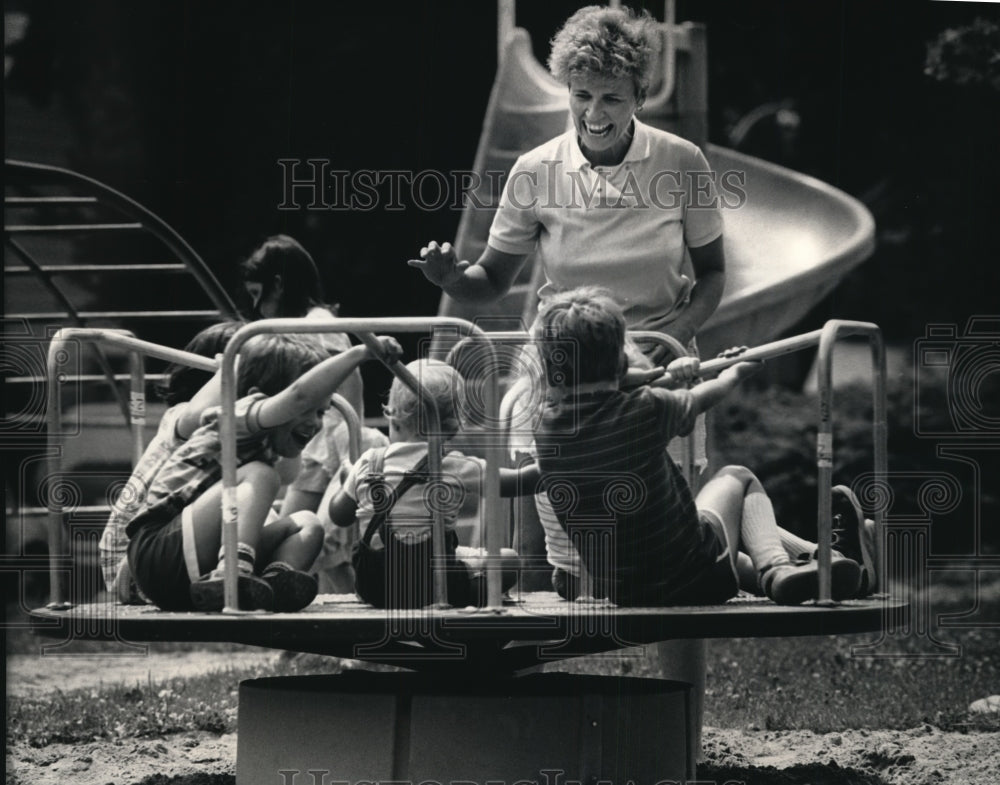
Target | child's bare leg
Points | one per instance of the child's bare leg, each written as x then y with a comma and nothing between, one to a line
738,498
296,540
288,547
257,485
296,500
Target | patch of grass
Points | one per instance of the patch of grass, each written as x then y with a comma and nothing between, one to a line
207,702
816,684
773,432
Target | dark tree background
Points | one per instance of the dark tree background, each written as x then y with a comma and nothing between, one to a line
188,106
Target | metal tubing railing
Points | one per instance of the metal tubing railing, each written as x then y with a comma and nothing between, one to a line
71,312
16,170
435,444
57,348
831,331
353,423
137,416
137,404
364,329
825,338
507,403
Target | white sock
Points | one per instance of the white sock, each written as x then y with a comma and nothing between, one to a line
794,545
759,531
245,558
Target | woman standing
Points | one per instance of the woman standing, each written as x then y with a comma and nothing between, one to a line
612,202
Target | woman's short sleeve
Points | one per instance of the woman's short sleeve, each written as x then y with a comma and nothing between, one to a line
515,226
702,216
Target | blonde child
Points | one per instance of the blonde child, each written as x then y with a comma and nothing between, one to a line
405,579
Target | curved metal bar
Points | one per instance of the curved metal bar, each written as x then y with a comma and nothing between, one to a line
825,338
679,349
54,435
126,340
61,297
763,352
435,445
363,328
155,225
830,332
137,404
353,423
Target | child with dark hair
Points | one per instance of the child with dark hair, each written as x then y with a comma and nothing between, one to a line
283,281
183,381
642,537
181,385
284,384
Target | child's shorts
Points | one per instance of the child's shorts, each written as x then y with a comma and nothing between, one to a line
401,575
718,582
164,562
714,584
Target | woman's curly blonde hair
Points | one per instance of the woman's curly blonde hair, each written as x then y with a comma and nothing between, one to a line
611,42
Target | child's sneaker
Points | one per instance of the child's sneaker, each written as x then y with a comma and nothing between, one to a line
293,589
851,538
208,593
845,576
791,584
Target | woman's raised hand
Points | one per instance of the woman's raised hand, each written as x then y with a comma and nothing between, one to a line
439,264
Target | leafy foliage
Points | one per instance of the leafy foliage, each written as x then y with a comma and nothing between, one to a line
773,432
966,55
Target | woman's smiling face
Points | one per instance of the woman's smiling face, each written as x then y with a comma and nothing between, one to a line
602,109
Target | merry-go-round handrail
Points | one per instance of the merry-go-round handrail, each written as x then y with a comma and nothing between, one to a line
364,329
137,349
137,418
825,338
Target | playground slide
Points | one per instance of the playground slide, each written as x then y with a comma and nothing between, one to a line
788,243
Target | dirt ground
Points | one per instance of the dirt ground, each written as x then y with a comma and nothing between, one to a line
919,756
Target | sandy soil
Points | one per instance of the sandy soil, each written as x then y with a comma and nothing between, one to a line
918,756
